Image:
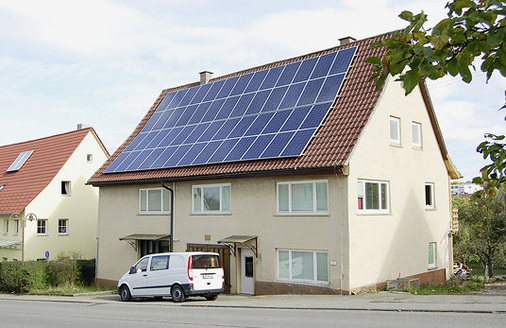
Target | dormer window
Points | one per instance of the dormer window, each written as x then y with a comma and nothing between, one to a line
20,161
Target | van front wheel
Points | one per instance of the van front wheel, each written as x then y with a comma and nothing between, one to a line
124,293
177,294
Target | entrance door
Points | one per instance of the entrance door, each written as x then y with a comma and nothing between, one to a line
247,272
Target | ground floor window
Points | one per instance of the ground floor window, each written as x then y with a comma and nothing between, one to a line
432,256
303,266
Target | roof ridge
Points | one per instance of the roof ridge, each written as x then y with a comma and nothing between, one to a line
48,137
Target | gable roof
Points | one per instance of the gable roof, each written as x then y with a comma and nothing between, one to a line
48,157
329,149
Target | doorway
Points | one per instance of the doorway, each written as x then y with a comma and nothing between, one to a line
247,272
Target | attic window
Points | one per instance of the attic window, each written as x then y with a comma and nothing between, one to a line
19,161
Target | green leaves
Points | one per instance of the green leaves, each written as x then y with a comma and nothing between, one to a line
474,29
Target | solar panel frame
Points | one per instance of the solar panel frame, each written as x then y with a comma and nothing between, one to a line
270,113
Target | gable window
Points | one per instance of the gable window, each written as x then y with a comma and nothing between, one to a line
303,266
63,226
89,158
303,197
154,201
395,130
65,188
416,129
211,198
41,226
429,196
373,196
6,226
17,226
432,256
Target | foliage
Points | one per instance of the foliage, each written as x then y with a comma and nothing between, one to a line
452,287
473,29
493,148
66,273
482,223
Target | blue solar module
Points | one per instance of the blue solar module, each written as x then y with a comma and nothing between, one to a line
271,113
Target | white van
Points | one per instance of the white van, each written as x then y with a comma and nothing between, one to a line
174,274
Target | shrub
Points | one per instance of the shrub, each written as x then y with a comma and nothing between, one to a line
14,277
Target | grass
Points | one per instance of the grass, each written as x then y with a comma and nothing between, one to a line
59,291
453,287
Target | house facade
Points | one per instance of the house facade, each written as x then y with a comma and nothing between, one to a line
46,208
366,198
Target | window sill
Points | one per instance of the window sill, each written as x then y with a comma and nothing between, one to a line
284,215
395,144
417,148
430,209
373,213
153,213
304,282
63,234
42,234
212,214
432,267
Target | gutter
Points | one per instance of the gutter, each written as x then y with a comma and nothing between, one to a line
171,216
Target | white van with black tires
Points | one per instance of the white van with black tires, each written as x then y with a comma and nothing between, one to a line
178,275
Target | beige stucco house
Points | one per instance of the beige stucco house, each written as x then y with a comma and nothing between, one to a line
342,187
44,199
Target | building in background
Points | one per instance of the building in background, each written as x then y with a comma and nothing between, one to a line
44,199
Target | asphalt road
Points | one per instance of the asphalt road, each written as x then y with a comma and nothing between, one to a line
35,313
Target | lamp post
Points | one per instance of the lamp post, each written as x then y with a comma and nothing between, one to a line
22,220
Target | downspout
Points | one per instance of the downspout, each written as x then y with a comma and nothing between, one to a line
171,216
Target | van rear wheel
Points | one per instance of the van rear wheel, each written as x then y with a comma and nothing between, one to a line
177,294
211,297
124,293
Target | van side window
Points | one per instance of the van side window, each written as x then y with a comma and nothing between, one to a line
142,265
159,263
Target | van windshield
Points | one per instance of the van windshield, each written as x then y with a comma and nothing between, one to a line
206,261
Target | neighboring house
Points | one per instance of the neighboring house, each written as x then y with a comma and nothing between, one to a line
303,175
43,183
466,188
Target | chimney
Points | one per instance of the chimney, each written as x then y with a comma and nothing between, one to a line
81,126
346,40
205,76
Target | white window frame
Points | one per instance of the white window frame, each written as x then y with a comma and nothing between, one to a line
200,209
290,185
397,127
6,230
430,204
416,131
66,188
433,249
17,226
364,210
45,221
315,266
66,227
162,201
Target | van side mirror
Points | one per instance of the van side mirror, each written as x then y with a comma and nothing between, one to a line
132,270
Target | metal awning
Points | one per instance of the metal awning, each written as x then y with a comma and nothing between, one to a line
5,243
145,236
134,237
242,240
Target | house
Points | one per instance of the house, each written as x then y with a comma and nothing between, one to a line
300,173
46,208
466,188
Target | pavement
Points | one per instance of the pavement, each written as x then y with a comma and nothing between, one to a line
484,302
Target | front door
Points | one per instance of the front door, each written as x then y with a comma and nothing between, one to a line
247,272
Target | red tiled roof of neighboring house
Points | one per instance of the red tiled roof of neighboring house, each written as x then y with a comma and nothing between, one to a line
48,157
330,149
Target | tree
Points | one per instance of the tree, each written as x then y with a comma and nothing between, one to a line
473,30
481,228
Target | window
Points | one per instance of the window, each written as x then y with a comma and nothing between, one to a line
20,161
416,129
307,197
142,265
432,256
303,266
89,158
373,196
65,188
429,196
17,227
159,263
6,226
211,198
395,130
63,226
42,227
154,201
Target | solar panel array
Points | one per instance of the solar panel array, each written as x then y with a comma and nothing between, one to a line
271,113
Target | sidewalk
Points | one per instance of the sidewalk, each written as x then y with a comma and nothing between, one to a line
382,301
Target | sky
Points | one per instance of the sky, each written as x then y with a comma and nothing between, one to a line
104,62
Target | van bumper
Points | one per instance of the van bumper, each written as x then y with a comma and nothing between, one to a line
188,290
